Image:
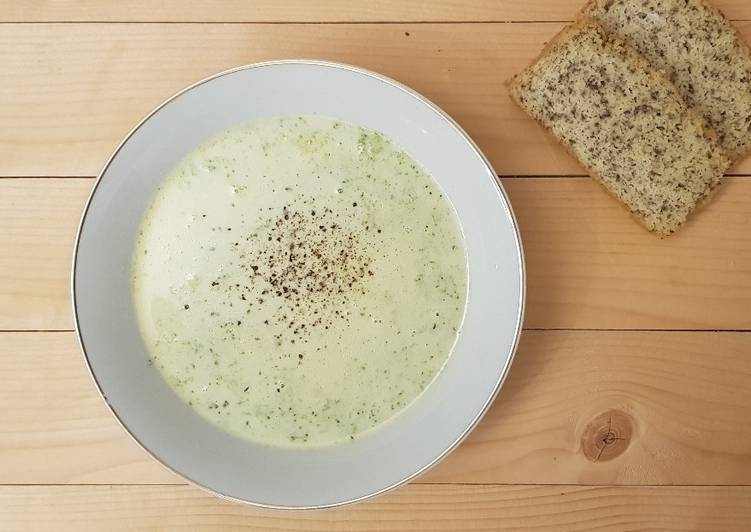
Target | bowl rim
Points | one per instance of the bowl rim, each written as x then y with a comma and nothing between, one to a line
507,207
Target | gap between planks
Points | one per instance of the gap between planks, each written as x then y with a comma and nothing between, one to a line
416,482
298,22
322,12
525,329
500,176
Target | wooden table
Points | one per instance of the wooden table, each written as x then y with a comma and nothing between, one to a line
629,402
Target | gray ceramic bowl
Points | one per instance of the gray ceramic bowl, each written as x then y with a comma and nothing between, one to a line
202,453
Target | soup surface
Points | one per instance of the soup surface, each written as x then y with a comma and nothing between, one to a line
299,280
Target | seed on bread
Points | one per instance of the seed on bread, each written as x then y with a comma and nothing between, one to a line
698,49
625,122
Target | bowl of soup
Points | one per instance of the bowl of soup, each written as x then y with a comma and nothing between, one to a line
298,284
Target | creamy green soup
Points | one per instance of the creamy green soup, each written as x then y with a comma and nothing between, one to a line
299,280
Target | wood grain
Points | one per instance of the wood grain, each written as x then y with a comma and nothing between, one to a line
54,426
39,220
671,402
433,508
676,401
590,267
70,92
305,11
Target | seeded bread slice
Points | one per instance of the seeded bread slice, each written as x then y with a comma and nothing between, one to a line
698,49
625,123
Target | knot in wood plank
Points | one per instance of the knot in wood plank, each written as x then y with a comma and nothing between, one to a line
607,436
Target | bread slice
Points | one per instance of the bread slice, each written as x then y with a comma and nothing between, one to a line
625,122
698,49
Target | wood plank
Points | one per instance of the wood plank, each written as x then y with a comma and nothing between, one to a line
675,400
672,400
54,426
72,91
304,11
434,508
39,220
590,267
